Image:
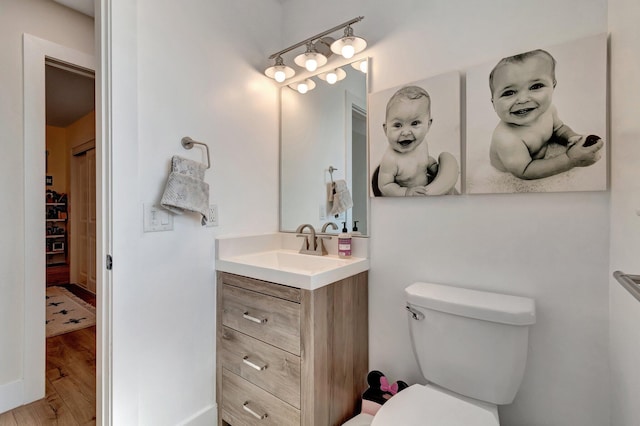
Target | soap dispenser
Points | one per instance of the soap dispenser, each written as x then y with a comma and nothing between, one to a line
355,231
344,242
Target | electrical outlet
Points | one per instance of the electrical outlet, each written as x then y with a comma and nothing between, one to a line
212,217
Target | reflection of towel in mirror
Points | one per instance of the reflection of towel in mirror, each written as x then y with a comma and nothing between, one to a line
186,188
341,198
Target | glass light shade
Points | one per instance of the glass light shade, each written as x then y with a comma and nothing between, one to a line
279,72
362,65
347,50
333,76
348,45
303,86
280,76
310,60
311,64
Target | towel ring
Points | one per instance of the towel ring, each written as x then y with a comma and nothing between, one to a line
187,143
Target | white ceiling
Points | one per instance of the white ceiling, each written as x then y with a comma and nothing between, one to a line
69,95
82,6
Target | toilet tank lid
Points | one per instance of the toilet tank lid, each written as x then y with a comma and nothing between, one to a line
483,305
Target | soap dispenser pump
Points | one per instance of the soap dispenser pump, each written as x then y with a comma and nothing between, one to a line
355,231
344,242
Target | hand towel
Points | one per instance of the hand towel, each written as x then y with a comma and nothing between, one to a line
330,191
186,189
341,198
329,204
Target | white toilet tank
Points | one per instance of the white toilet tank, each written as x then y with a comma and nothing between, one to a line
471,342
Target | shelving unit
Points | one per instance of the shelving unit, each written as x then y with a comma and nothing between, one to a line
56,229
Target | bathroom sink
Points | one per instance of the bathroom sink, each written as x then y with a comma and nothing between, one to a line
293,261
291,268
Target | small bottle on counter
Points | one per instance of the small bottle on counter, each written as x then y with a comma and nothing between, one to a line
344,242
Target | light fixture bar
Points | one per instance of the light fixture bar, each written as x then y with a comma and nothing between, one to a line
317,36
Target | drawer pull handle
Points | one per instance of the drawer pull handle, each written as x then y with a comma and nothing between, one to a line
246,408
254,319
253,365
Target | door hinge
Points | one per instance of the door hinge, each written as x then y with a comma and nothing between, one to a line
109,262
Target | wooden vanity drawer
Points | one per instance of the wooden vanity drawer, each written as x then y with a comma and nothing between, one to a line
243,403
266,366
313,342
270,319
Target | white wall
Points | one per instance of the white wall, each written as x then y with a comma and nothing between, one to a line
47,20
625,201
183,69
552,247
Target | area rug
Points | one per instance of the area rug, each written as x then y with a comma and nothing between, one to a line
67,312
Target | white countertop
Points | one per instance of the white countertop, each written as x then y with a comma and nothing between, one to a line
269,258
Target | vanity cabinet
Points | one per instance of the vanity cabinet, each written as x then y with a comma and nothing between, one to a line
290,356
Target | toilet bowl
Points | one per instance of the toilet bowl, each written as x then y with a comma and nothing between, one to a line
428,405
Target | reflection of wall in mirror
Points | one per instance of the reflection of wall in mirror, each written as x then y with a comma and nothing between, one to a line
359,181
312,139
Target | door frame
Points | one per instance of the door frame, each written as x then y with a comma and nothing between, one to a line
35,51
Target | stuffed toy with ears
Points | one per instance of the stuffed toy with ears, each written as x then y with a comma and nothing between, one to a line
379,391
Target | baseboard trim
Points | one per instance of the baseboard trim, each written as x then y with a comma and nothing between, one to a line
11,395
206,417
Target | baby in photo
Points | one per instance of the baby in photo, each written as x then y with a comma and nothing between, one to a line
406,167
522,87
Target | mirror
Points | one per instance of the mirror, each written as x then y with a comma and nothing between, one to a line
325,127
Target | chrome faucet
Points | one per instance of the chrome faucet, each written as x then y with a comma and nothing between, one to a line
326,225
312,244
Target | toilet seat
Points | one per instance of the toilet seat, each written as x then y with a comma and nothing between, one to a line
421,405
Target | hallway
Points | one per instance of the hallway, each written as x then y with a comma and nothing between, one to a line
70,382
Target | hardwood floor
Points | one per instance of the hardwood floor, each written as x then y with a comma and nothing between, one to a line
70,384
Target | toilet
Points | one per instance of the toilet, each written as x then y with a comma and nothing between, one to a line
471,347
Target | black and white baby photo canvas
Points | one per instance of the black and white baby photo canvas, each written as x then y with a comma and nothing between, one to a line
414,138
536,120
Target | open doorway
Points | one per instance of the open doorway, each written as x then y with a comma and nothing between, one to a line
70,175
70,205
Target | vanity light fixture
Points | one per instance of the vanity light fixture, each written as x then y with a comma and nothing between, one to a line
318,49
348,45
333,76
279,71
303,86
362,65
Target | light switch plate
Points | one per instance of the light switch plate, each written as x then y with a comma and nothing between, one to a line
156,219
